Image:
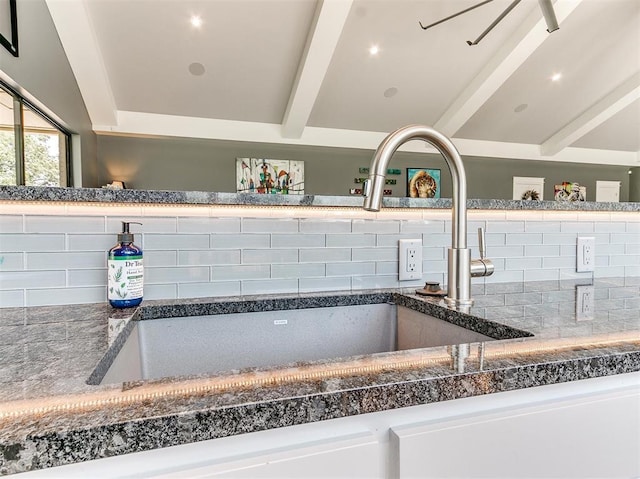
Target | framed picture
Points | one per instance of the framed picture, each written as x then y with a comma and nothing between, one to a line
269,177
528,188
568,191
423,183
9,26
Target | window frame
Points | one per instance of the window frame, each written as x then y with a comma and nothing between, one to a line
19,103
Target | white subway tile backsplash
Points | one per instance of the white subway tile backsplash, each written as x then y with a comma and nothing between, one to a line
350,269
75,295
432,253
175,241
160,291
148,224
271,225
64,224
269,256
524,239
11,224
32,279
308,270
522,263
541,275
239,272
176,274
559,262
98,242
381,281
220,254
209,257
297,240
434,266
559,239
375,254
240,241
376,227
208,225
505,277
351,240
422,227
332,226
324,255
87,277
31,242
611,227
576,227
542,250
270,286
200,290
307,285
626,260
505,227
628,238
505,251
387,267
160,258
66,260
12,298
542,227
11,261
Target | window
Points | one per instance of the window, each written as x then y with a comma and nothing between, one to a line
34,150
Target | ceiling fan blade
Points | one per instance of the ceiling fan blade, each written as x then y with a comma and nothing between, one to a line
494,23
455,15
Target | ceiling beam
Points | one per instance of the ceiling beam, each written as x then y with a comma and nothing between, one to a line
156,125
615,101
324,34
78,39
513,53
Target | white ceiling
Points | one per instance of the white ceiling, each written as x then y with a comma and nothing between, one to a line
299,72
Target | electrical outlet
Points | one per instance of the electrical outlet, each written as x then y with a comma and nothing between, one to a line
586,254
584,303
410,259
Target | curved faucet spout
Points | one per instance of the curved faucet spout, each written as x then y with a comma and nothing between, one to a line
459,279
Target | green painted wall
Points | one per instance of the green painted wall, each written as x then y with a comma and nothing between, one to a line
209,165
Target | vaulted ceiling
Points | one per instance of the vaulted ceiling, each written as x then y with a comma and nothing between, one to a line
301,72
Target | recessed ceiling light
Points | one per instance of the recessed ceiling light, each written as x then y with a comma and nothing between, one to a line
196,21
556,77
374,50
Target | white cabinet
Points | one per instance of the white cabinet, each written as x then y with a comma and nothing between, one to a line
577,429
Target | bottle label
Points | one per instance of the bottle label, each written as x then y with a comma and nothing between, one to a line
126,277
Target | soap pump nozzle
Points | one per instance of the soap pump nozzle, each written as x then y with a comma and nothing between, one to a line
126,236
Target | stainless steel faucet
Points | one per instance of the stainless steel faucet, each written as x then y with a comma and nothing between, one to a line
460,265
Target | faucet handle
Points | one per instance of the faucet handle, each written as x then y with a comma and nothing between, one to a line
366,187
482,245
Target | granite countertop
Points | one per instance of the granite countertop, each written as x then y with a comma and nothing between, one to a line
53,410
105,195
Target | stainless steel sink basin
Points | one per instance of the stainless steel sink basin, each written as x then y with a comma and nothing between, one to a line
224,342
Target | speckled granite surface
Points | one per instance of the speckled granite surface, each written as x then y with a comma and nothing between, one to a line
50,416
103,195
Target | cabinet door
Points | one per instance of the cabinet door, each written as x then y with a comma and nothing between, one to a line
354,456
587,437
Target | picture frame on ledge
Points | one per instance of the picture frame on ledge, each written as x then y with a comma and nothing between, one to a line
9,26
423,183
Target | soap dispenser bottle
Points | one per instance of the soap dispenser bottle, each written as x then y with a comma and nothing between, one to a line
125,271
